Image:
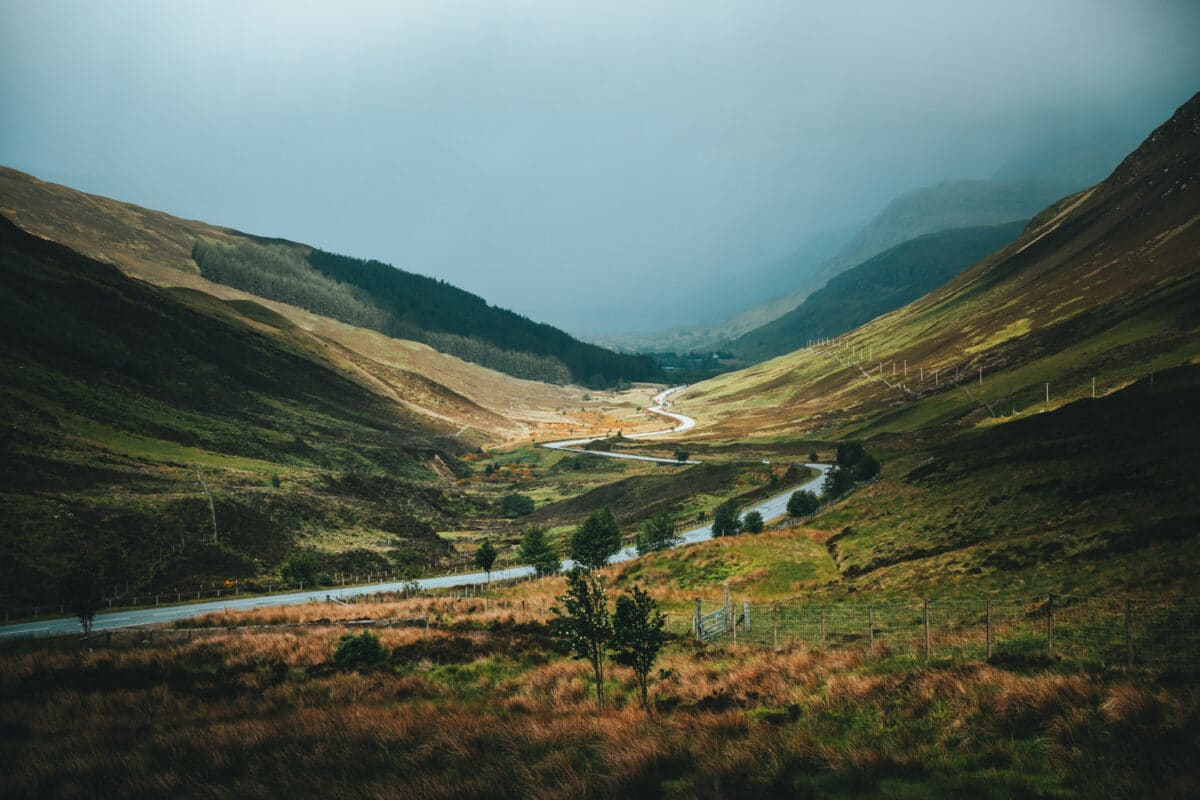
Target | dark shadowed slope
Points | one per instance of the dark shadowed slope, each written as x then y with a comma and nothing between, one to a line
119,397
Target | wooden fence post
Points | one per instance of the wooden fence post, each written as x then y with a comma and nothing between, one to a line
746,614
729,621
988,629
925,613
1050,626
696,620
871,628
775,627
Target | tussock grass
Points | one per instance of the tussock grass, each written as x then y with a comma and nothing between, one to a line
485,706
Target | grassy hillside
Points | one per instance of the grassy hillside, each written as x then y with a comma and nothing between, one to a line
168,250
370,294
1087,499
120,398
1102,284
482,405
988,486
878,285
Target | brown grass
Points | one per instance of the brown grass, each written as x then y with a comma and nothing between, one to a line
482,705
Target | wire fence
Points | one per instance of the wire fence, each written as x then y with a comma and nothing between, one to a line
1092,630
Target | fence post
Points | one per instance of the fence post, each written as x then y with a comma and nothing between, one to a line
871,628
1050,626
775,627
729,621
696,620
925,614
1128,633
822,626
988,627
746,614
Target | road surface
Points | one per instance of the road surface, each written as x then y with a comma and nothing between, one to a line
682,423
129,618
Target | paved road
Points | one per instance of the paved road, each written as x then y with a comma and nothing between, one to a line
129,618
682,423
769,508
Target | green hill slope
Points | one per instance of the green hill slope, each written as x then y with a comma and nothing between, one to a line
159,247
884,282
1002,473
120,397
1104,284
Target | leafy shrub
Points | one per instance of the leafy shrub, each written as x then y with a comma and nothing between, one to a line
725,520
358,650
299,567
658,533
598,538
516,505
802,503
537,552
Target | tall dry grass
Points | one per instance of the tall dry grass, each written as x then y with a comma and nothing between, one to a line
482,705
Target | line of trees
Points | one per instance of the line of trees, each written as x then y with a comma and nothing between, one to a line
279,272
854,464
435,306
633,636
374,295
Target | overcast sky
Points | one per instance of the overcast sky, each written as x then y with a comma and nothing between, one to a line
602,166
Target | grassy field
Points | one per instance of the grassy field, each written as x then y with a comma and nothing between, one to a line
485,704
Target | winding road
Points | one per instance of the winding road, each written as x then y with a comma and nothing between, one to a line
770,508
660,408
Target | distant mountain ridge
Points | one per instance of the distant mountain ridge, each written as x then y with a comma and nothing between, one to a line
942,206
884,282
